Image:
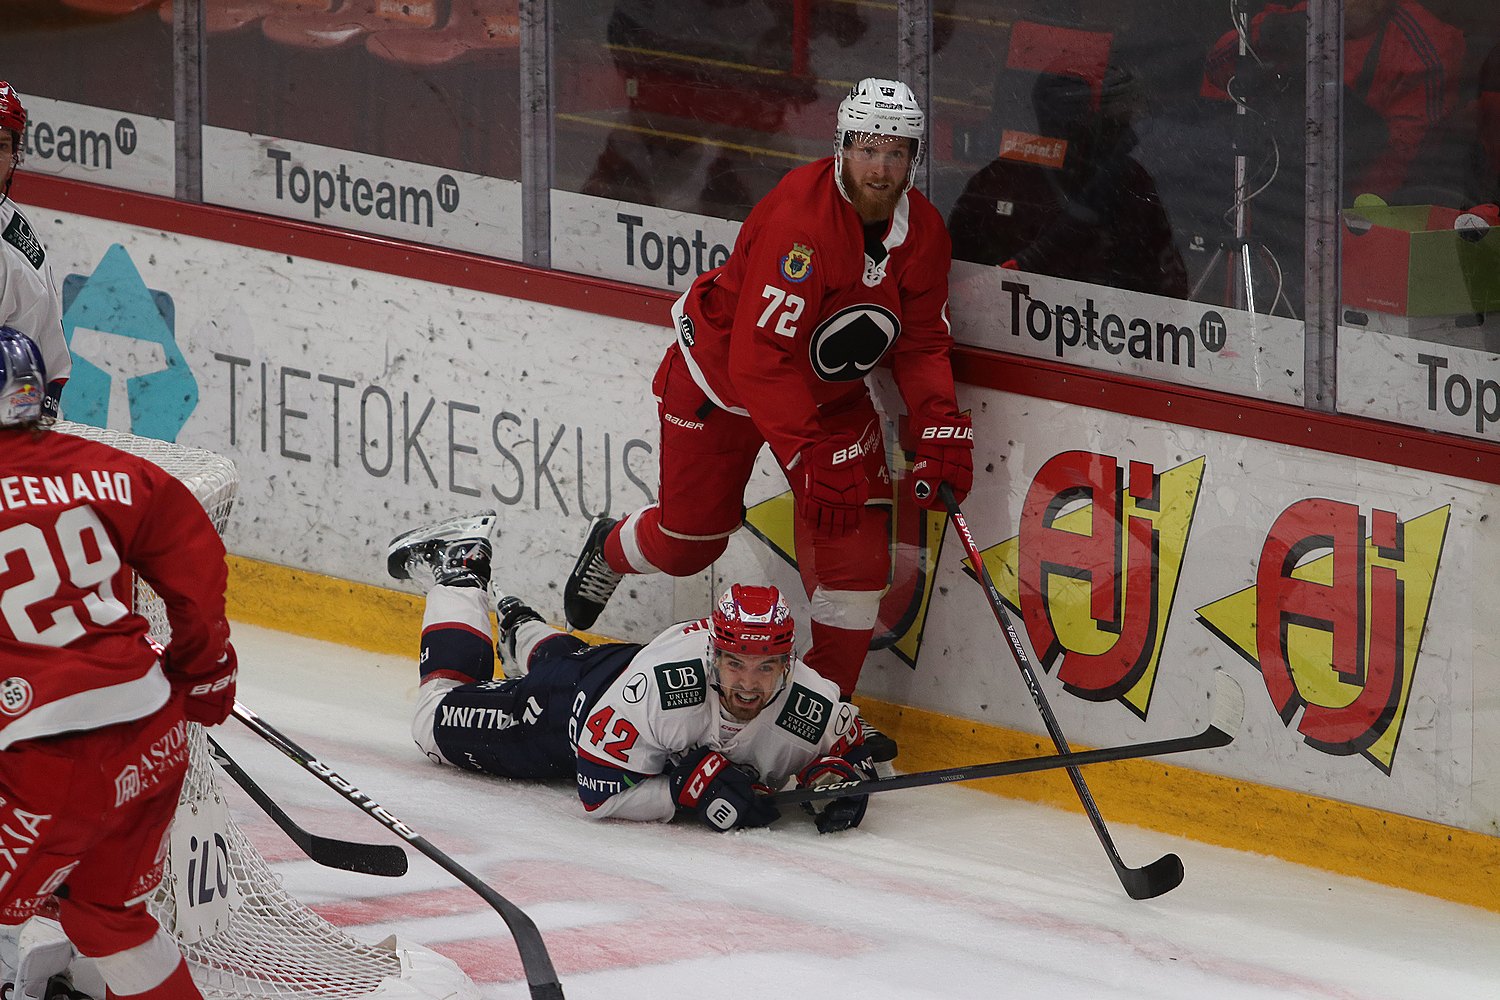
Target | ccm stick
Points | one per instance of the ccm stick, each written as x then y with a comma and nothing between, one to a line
368,859
1160,876
541,977
1229,710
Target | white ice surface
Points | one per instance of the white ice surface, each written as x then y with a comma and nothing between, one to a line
941,893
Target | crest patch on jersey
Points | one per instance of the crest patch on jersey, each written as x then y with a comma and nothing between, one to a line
806,714
15,695
685,329
682,684
797,264
19,235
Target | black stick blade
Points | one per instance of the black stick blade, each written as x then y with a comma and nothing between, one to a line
1156,879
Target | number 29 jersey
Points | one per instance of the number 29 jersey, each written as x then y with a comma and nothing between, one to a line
75,517
662,705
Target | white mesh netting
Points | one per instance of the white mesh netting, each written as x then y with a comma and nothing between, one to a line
265,943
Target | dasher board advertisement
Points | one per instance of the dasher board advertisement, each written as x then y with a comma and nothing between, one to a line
357,404
1106,329
116,148
369,194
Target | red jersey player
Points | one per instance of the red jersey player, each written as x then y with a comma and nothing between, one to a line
842,264
93,712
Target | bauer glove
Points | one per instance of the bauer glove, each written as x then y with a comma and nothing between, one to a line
833,815
718,792
208,697
833,488
945,454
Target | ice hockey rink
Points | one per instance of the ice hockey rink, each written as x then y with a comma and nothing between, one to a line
942,893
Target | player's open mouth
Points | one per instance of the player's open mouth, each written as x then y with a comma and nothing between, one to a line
745,699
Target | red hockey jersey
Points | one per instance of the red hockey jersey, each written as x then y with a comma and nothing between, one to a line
75,517
800,313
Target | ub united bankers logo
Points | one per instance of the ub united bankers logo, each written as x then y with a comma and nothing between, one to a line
797,264
682,684
806,714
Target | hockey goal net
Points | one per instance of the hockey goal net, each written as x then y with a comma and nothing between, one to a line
252,938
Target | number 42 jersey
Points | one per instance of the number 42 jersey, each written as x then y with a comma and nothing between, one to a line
662,705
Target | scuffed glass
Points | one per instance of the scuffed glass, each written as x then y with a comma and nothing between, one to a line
1124,191
97,86
674,118
1419,334
400,118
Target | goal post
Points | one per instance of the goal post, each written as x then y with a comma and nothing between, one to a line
244,936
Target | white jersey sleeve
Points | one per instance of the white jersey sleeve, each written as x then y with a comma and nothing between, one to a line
29,299
661,707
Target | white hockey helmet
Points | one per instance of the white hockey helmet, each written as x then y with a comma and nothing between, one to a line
23,379
880,107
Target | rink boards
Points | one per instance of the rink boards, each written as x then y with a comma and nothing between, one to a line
1350,595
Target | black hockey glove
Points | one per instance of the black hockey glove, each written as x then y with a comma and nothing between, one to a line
721,795
833,815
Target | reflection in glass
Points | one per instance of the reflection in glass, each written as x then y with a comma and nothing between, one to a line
421,81
117,57
702,106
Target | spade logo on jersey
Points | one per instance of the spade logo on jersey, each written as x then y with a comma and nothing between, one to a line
846,345
1335,620
1094,570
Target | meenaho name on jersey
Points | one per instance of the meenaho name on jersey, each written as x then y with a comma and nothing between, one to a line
67,488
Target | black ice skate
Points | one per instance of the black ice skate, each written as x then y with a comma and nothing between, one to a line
511,613
592,582
454,553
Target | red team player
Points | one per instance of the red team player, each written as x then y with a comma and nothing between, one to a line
92,712
841,265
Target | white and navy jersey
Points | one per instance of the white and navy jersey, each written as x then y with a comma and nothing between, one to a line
29,300
662,706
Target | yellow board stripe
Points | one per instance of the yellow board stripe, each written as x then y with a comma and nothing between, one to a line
1388,848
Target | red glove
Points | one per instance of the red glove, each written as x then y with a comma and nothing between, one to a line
834,488
833,815
945,454
208,698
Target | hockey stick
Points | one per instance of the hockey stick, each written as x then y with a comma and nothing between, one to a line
1160,876
541,977
1229,710
369,859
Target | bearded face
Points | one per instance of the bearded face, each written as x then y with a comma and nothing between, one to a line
875,169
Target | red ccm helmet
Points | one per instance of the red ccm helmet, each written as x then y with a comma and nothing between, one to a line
752,621
12,120
12,111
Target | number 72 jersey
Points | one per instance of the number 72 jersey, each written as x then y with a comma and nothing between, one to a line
662,705
808,304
